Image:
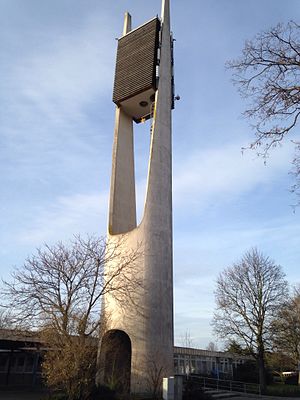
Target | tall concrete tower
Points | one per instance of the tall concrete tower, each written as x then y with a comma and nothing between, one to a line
143,88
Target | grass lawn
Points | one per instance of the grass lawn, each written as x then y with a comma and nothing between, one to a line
283,390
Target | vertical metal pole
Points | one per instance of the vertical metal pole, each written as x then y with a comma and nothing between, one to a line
127,23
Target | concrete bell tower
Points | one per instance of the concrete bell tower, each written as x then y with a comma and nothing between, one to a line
143,89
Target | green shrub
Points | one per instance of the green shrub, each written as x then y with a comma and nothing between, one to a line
291,380
283,390
56,396
103,392
193,391
247,372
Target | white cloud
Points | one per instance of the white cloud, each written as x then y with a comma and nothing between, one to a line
197,326
223,172
211,249
55,83
67,76
200,256
69,215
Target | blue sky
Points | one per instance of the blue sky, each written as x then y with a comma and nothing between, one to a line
56,130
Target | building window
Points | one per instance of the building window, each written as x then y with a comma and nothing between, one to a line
3,362
20,363
29,363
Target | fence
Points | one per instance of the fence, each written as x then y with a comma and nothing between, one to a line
222,384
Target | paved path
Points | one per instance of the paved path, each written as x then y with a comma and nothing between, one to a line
224,395
8,395
12,395
257,397
264,398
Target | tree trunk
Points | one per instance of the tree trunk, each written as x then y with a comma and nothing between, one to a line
261,371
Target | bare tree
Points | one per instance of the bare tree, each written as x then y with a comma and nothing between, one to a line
5,320
234,347
58,292
155,373
212,346
248,295
279,362
187,340
268,73
286,329
70,363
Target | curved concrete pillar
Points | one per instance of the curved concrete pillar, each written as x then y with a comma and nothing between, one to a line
150,325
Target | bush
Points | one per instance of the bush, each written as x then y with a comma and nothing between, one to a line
193,391
56,396
291,380
103,392
283,390
247,372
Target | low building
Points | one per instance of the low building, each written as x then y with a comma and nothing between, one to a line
205,362
20,359
21,355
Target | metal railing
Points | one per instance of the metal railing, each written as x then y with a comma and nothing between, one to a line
223,384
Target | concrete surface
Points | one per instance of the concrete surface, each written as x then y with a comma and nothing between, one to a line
264,398
150,325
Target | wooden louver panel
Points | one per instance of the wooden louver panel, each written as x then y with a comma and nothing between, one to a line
136,61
